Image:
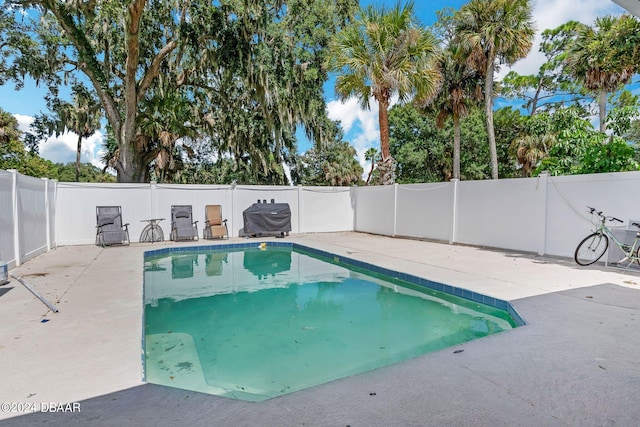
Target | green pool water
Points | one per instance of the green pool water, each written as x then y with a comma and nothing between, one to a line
254,324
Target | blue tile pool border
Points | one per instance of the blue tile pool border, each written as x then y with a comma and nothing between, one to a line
420,281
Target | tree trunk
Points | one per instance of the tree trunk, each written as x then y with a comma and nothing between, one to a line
130,162
383,121
602,106
534,101
386,166
132,166
488,105
78,151
370,172
387,170
136,174
456,146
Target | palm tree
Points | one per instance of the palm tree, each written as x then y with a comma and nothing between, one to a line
383,53
460,89
81,117
530,149
371,155
593,59
494,32
341,167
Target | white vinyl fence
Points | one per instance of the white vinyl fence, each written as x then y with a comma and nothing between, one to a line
544,215
313,209
27,217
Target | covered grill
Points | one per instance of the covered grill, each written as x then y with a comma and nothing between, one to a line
267,219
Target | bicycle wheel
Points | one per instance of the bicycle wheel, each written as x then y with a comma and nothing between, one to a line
146,236
636,254
157,235
591,249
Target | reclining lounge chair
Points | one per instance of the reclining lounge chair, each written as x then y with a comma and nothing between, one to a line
215,227
109,228
183,227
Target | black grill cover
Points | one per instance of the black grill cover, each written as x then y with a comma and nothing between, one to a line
267,218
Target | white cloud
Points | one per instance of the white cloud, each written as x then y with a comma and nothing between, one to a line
553,13
360,126
23,122
349,113
62,149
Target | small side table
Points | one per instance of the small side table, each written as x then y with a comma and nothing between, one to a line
152,232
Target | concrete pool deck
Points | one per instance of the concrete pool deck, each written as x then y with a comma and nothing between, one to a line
577,362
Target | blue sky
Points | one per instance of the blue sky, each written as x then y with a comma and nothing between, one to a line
360,126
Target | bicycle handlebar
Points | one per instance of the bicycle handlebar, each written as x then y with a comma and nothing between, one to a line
592,210
599,213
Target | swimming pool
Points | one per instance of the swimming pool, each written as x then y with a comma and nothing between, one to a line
253,323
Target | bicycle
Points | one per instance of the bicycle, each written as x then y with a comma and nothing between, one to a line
592,247
152,232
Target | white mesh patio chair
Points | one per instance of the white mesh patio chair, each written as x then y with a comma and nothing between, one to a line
109,227
183,227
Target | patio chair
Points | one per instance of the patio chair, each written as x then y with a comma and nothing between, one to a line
183,227
109,228
215,227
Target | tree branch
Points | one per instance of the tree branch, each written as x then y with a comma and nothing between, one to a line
153,70
88,62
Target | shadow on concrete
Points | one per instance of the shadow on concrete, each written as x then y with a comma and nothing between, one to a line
569,262
575,363
4,290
